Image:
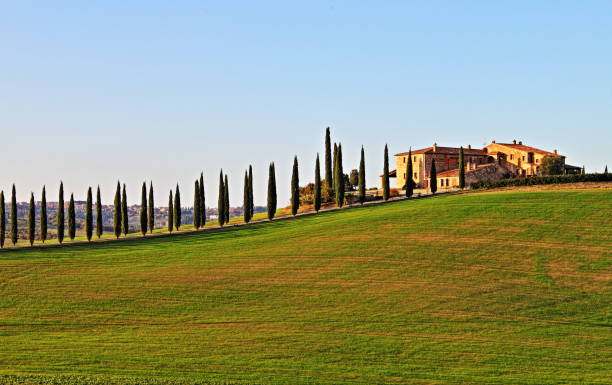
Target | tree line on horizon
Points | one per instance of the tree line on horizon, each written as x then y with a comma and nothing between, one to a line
330,190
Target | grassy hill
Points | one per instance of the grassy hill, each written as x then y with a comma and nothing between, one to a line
491,288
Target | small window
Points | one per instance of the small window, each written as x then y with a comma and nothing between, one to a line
511,156
447,182
404,159
415,175
414,157
523,158
404,175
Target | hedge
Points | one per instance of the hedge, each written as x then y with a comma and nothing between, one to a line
538,180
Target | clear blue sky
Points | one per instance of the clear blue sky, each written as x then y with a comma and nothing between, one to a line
92,92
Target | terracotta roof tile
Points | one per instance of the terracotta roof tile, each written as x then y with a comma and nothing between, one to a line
446,150
522,147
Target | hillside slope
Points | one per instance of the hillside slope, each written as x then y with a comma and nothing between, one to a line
495,288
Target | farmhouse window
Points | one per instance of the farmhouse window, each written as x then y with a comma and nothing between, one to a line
415,175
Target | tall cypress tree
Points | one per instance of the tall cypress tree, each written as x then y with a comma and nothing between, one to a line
60,214
196,205
170,213
151,208
295,188
221,201
124,212
14,235
32,219
202,201
71,218
340,182
433,177
43,215
226,198
362,182
89,215
177,208
117,211
144,221
2,220
461,169
251,199
409,180
245,197
317,186
99,219
328,162
386,175
335,169
271,191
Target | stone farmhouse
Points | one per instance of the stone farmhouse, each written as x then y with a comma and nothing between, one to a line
495,161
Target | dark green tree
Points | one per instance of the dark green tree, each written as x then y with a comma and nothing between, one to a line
124,212
43,215
177,208
340,180
32,220
606,170
353,179
2,220
245,197
386,174
60,214
461,168
71,218
328,162
552,165
334,169
362,182
433,177
89,215
295,188
196,205
251,199
317,186
14,235
144,211
151,208
409,180
271,192
583,171
226,198
202,201
99,219
117,211
221,201
170,213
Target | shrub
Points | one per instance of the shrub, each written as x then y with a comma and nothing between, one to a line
540,180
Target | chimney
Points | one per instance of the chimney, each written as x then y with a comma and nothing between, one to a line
555,151
435,147
492,141
469,146
521,143
514,141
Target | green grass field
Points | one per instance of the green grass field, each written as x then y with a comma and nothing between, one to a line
487,288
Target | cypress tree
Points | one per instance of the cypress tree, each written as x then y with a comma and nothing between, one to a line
226,198
409,180
221,201
177,208
461,169
32,219
328,162
43,215
335,168
196,205
246,195
606,170
144,221
271,191
124,212
362,182
317,186
202,201
99,219
386,174
170,213
433,177
251,198
151,208
14,236
60,214
71,218
117,212
340,185
295,188
89,215
2,220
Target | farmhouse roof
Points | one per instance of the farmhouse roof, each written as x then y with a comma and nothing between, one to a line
445,150
522,147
